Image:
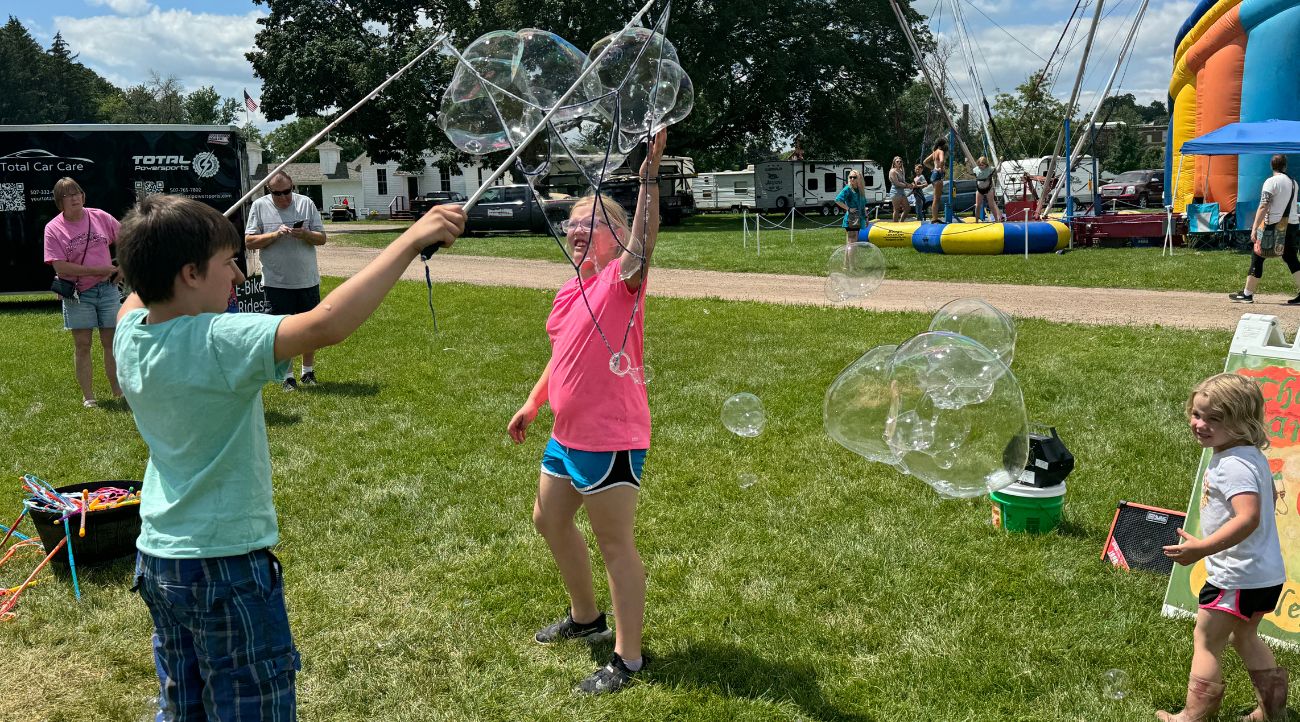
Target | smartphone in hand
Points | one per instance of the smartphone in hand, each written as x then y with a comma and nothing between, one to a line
298,224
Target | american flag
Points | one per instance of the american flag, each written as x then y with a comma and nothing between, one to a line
249,102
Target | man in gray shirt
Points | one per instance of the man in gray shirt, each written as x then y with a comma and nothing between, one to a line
286,228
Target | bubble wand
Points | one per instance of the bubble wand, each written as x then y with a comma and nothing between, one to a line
546,119
11,530
72,563
6,611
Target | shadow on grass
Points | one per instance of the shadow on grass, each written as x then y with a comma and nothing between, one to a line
354,389
733,671
279,418
119,572
1068,528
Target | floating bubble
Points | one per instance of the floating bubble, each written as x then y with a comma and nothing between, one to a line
642,374
743,415
1114,684
978,320
620,363
507,83
956,417
857,404
747,479
640,66
854,272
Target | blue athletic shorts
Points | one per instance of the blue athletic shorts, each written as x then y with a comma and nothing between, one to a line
593,471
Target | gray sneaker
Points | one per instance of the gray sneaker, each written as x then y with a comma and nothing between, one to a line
594,631
1241,297
611,678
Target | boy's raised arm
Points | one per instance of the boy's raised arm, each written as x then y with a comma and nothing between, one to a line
348,306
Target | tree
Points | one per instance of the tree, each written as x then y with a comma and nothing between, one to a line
23,65
164,100
290,136
1029,120
762,72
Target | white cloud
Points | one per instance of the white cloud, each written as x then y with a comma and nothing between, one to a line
197,48
125,7
1003,63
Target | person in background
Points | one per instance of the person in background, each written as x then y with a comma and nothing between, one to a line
1277,200
286,228
899,188
77,245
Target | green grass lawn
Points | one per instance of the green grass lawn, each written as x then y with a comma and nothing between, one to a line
832,589
716,242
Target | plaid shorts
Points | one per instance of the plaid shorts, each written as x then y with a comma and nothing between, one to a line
221,639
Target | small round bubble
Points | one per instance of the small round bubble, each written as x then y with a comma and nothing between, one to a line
620,363
743,415
854,271
1114,684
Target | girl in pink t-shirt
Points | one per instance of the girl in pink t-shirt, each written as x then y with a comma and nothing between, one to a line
602,421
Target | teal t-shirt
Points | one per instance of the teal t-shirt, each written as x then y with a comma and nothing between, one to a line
195,386
857,207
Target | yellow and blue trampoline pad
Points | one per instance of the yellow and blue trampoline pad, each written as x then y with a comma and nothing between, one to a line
958,238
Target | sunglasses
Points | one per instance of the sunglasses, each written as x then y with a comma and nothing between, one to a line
282,193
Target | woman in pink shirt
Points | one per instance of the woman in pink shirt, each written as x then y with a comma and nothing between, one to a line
602,421
77,244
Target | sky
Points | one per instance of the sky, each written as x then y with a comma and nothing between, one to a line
202,42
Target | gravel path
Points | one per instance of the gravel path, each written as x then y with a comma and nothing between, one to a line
1096,306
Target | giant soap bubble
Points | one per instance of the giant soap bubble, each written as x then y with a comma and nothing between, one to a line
980,321
956,416
743,415
507,82
854,271
857,404
652,90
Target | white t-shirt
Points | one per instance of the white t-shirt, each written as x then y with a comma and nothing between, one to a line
1281,190
288,262
1256,562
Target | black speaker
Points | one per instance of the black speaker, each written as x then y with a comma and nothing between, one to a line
1138,535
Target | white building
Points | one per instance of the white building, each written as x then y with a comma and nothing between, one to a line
378,187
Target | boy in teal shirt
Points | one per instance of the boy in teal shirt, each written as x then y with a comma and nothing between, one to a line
193,376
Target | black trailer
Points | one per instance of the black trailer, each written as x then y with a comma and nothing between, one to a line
115,165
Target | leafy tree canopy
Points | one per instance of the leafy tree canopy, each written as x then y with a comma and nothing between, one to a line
764,72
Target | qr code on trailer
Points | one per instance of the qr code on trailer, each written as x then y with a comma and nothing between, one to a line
11,197
147,188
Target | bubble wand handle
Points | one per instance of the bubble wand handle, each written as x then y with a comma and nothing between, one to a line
519,147
316,138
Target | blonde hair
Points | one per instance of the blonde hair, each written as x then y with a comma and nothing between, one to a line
1239,402
609,211
61,188
983,160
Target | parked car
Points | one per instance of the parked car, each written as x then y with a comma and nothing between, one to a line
421,204
511,208
1136,187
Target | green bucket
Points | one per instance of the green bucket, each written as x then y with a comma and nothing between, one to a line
1028,508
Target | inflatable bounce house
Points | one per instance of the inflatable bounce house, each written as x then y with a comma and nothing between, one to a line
1234,61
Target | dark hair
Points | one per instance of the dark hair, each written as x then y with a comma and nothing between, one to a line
941,143
1279,163
162,235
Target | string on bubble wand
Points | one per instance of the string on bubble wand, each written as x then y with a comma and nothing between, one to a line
557,138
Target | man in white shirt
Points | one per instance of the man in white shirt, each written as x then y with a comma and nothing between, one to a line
286,228
1278,197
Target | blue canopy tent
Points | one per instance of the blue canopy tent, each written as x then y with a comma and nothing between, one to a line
1268,137
1262,138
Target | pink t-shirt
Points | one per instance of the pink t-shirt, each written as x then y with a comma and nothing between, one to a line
595,409
66,241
